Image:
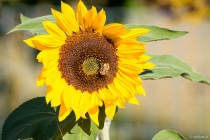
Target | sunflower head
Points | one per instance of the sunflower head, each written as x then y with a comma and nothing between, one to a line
87,64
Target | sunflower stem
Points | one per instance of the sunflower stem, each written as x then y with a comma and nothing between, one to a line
104,133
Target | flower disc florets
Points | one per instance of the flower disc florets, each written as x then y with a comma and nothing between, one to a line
82,57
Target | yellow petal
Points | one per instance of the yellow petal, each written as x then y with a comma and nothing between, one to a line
130,43
94,100
66,96
40,80
148,65
134,66
135,80
80,14
89,17
129,61
121,103
99,21
51,63
93,113
131,51
69,15
29,42
114,92
133,101
144,58
84,104
134,33
50,58
129,55
49,94
62,22
63,112
129,70
114,30
51,70
133,47
110,110
51,77
54,30
38,47
106,95
124,88
140,90
74,99
58,88
47,42
47,54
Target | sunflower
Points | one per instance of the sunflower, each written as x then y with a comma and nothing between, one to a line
87,64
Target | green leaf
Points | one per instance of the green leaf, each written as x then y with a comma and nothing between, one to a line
33,119
79,132
101,117
23,18
87,127
170,67
33,25
66,125
156,33
168,135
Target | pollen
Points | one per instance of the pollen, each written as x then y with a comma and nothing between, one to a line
90,66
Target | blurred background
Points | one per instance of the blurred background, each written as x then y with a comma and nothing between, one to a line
177,104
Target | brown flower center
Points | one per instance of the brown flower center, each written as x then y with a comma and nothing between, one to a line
88,61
